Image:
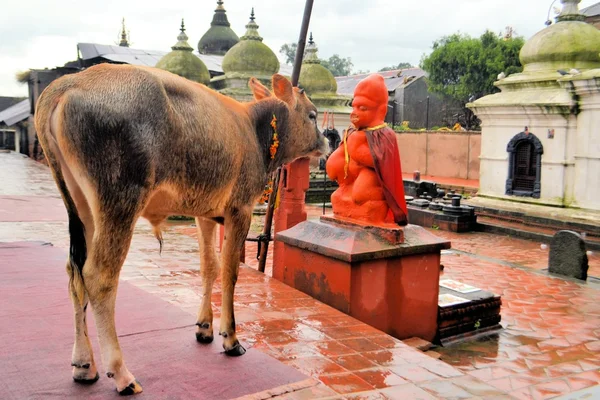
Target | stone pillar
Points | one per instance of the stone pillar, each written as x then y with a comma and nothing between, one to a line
291,211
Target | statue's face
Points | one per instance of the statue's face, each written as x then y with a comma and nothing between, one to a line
367,113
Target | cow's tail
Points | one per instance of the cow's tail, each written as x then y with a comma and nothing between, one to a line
46,105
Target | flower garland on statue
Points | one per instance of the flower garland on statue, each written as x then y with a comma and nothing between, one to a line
272,150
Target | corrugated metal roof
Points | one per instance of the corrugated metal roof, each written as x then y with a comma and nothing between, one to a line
393,80
15,113
6,102
592,10
149,58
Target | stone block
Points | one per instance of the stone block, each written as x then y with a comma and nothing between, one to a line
568,256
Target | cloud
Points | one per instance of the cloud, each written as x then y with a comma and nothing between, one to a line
373,33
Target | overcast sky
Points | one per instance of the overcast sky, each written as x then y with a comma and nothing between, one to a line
373,33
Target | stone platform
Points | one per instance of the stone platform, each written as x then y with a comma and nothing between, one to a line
465,311
385,277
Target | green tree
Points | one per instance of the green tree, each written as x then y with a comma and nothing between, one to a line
289,51
338,66
402,65
465,68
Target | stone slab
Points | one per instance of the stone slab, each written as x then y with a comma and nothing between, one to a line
479,313
355,244
568,255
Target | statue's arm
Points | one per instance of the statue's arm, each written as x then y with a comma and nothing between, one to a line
362,155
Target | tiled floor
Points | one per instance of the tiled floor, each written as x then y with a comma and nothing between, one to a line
525,253
550,344
551,341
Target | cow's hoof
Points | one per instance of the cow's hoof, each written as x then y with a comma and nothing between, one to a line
133,388
236,351
86,381
204,333
204,338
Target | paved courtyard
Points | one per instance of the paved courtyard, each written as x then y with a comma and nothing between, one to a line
550,344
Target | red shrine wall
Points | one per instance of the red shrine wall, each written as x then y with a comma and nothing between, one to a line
441,154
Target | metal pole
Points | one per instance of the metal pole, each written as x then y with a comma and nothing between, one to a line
427,117
302,42
265,237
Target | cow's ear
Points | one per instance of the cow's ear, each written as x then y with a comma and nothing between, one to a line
283,90
258,89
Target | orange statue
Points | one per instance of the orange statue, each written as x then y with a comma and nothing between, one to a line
367,163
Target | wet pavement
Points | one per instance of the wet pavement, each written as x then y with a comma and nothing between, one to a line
550,344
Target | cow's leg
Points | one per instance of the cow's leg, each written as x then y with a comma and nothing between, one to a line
101,275
82,360
209,268
237,224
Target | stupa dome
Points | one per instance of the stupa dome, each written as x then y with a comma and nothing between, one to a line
183,62
569,43
220,37
251,56
315,78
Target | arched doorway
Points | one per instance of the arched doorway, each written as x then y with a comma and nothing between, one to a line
524,165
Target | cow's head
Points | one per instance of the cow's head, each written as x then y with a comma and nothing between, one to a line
297,119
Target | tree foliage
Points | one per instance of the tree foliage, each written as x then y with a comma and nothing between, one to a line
289,51
337,65
402,65
465,68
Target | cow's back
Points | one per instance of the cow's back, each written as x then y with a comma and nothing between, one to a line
135,129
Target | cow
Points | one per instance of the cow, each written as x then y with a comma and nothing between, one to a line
125,142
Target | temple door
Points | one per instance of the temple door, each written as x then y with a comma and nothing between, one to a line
525,167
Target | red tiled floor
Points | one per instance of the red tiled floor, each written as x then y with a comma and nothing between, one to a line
550,327
472,184
549,345
353,362
345,383
380,378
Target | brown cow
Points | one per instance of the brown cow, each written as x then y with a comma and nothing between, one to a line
125,142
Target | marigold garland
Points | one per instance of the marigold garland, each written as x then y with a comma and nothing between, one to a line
273,150
267,192
275,144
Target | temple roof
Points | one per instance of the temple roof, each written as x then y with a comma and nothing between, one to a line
128,55
315,78
183,62
220,37
569,43
124,36
592,10
393,80
251,56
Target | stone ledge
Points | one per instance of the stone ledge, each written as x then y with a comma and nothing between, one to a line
353,244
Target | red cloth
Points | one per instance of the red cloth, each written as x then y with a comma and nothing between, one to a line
386,158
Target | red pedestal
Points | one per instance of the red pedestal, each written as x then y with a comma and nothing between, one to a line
291,211
391,286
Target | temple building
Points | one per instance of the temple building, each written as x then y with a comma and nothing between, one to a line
592,14
250,57
540,140
321,86
124,42
220,37
183,62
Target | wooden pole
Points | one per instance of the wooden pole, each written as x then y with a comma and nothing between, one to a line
265,237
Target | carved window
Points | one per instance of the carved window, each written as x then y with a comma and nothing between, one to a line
524,165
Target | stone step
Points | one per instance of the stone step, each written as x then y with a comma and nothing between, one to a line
535,231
